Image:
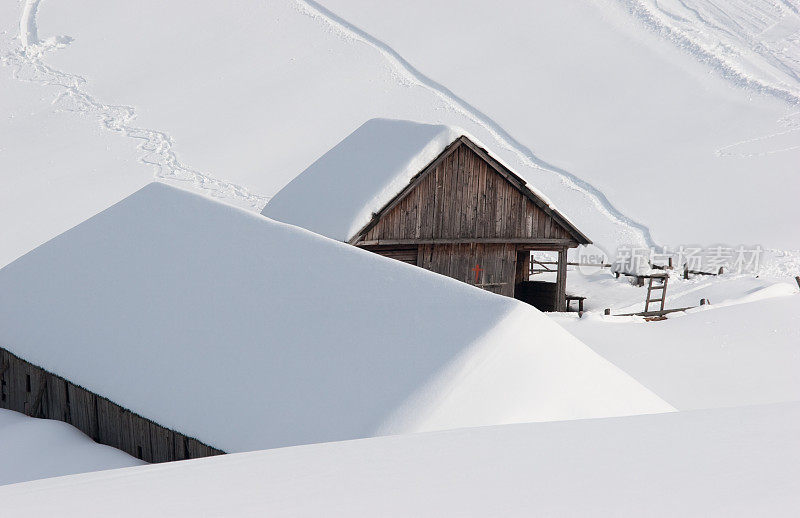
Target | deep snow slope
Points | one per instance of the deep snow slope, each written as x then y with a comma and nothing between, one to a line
31,449
56,169
589,102
754,42
722,462
248,334
731,353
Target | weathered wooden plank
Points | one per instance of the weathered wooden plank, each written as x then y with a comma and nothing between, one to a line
57,400
4,366
531,242
83,410
161,443
109,424
561,282
33,390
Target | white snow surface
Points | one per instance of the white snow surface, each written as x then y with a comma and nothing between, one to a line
734,353
668,134
56,170
756,42
337,195
721,462
586,102
31,449
248,333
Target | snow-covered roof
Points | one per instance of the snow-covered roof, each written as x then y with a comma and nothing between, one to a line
247,333
337,195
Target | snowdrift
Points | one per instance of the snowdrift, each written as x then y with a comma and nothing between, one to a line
721,462
31,449
249,334
745,353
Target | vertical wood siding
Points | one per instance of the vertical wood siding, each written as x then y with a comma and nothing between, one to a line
36,392
497,264
464,197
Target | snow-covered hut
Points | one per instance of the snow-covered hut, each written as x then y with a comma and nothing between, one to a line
430,196
155,328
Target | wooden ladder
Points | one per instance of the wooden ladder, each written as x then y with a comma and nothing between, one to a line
651,287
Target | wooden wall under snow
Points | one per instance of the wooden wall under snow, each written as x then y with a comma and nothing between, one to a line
33,391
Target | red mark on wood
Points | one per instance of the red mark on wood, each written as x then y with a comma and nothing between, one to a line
477,271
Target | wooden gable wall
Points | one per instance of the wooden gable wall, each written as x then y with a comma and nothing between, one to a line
464,197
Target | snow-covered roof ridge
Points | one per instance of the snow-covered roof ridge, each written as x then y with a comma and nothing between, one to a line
337,194
340,193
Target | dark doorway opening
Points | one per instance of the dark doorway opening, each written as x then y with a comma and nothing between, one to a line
540,294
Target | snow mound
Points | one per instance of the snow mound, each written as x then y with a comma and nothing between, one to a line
249,334
31,449
720,462
337,195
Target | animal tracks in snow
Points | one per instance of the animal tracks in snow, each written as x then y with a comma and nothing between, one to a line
157,146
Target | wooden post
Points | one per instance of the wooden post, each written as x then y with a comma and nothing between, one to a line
561,281
669,263
686,271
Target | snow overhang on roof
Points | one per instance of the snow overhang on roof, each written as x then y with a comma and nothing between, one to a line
338,195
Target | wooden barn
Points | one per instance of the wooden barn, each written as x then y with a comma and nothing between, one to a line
456,211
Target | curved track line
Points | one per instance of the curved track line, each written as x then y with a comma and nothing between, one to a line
413,76
27,59
726,69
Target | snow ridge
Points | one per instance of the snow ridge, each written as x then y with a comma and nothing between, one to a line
410,75
156,145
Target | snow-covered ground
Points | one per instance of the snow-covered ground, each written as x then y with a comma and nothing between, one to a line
672,122
722,462
742,354
606,116
248,334
56,169
660,129
31,449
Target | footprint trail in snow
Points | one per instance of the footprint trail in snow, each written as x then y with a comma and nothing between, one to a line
157,146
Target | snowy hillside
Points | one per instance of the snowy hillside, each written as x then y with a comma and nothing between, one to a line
672,134
631,135
308,339
31,449
595,108
724,462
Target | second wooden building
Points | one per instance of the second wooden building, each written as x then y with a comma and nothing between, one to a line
429,196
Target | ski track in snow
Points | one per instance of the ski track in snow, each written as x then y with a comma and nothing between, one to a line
738,149
729,50
29,65
408,74
27,60
754,43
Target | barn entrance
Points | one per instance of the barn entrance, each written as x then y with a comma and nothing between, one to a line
546,292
